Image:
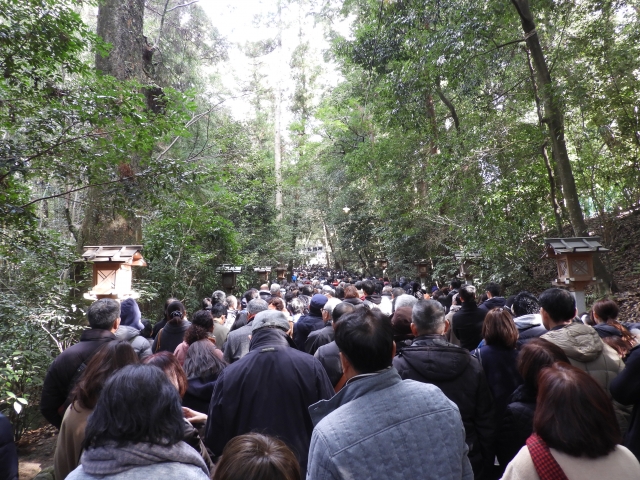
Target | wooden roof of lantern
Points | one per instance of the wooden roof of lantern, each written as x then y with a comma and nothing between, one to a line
558,246
125,254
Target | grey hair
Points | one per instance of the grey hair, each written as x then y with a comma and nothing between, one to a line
467,292
387,289
297,306
256,305
275,288
405,300
103,313
219,297
330,305
202,361
232,302
427,316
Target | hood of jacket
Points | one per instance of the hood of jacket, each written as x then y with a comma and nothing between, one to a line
526,321
127,333
605,330
267,337
375,298
435,358
494,302
356,387
579,341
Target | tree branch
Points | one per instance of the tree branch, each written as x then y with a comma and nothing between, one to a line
183,5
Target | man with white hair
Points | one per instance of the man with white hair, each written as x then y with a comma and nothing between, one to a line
275,290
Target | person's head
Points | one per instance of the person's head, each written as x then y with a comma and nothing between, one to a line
454,284
168,302
130,315
405,300
255,306
206,304
276,303
232,302
271,319
535,355
351,292
339,292
427,318
317,302
274,290
365,340
168,363
250,295
492,289
264,287
525,303
219,312
327,309
109,358
176,312
218,297
254,456
557,307
104,314
202,360
499,329
396,292
604,310
467,293
342,308
147,330
328,291
138,404
201,326
368,288
296,306
401,324
574,414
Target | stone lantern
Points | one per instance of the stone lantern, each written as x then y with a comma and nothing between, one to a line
112,273
467,261
281,273
574,259
229,276
383,263
424,267
263,273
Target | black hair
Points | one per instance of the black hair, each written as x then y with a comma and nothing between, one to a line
206,303
250,294
342,308
367,287
455,283
365,337
218,310
559,304
137,404
175,312
493,288
525,303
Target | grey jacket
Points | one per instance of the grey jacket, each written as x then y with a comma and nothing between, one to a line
237,344
363,432
140,345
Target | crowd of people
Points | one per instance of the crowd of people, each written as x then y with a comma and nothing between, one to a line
335,377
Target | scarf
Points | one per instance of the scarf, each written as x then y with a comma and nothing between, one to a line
110,459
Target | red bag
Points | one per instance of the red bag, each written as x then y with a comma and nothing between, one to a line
546,466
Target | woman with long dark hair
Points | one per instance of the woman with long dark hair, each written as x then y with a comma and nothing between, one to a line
172,334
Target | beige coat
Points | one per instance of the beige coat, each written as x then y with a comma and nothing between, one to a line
620,464
586,351
70,438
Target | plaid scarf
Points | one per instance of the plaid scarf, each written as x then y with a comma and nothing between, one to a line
546,466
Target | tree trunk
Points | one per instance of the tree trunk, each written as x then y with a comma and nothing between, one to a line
554,116
278,135
120,23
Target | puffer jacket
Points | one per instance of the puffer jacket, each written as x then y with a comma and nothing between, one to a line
582,344
625,388
431,359
132,335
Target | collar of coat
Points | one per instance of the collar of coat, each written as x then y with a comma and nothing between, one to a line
268,337
356,387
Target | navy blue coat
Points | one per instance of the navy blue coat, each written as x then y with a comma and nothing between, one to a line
625,388
8,451
467,325
269,390
304,326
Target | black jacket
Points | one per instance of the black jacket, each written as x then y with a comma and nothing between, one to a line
240,321
431,359
625,388
467,325
528,333
517,424
318,338
8,451
64,372
304,326
269,391
491,303
170,337
157,327
329,357
198,395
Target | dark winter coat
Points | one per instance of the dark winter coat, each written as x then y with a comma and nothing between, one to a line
500,367
65,370
529,327
8,451
431,359
157,327
352,301
329,357
269,391
318,338
199,391
625,389
170,336
517,424
304,326
605,330
241,321
491,303
467,325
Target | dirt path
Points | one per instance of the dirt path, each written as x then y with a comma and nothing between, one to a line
35,451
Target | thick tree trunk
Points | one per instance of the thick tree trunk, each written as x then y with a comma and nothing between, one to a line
120,23
278,126
554,116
